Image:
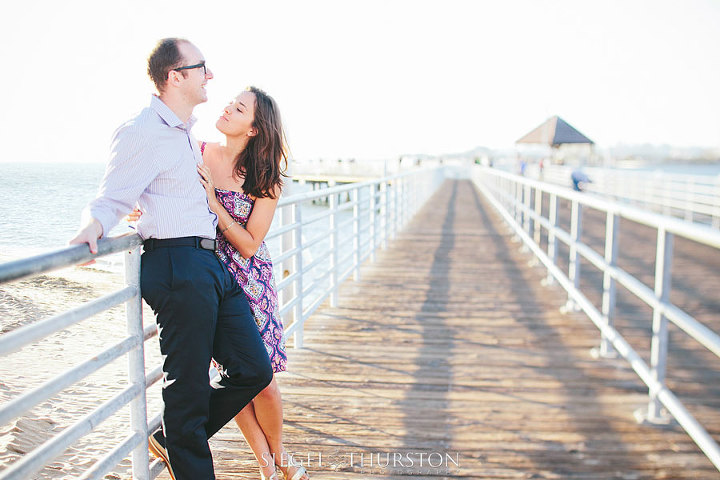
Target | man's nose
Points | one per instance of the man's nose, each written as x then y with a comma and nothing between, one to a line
209,74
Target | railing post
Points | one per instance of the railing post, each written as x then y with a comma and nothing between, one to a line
385,213
373,221
538,211
395,191
574,260
288,265
659,344
518,201
356,234
609,289
334,244
403,198
297,219
716,203
552,239
136,366
527,202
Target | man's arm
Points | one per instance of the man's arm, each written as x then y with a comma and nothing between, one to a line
130,170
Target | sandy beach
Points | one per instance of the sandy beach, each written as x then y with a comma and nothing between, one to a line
27,301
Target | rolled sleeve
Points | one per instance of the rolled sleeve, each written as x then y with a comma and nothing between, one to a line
128,173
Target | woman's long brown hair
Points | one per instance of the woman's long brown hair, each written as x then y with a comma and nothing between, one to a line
261,162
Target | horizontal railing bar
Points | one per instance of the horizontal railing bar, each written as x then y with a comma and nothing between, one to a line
149,331
19,405
276,232
306,314
699,233
112,458
65,257
687,323
344,223
157,467
303,197
287,280
37,459
346,206
16,339
316,262
289,305
316,217
316,282
285,255
319,238
153,377
344,259
154,423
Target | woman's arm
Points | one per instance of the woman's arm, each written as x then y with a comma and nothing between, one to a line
246,240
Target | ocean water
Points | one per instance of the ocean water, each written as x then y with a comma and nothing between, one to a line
42,204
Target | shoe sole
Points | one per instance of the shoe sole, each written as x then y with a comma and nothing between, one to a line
159,452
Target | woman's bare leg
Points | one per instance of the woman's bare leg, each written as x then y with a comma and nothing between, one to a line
268,417
256,439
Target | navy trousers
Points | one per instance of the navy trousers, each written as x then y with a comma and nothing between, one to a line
202,313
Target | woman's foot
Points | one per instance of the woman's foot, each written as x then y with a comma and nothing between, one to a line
292,469
273,475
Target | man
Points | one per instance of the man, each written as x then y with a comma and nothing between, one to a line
579,180
201,311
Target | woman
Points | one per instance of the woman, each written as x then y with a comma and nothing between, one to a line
243,181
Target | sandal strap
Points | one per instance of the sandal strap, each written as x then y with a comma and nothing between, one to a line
299,472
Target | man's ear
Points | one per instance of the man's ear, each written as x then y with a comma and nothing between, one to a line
174,77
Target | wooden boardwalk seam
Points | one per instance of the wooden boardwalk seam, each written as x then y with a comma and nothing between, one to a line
450,355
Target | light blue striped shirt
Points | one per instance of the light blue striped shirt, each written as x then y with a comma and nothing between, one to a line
153,164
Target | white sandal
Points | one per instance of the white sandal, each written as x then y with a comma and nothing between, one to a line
300,469
274,476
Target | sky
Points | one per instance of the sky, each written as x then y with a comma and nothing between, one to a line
369,79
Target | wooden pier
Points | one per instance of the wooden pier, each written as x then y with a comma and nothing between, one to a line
450,354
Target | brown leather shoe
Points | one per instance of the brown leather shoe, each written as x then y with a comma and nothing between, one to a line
156,445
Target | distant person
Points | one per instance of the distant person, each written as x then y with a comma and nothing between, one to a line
243,181
579,180
153,163
523,167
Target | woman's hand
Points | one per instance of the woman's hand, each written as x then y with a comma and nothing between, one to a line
207,182
133,216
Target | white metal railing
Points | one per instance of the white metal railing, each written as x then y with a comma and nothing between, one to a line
376,210
695,198
519,200
136,442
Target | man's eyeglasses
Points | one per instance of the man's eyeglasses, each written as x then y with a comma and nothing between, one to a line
190,67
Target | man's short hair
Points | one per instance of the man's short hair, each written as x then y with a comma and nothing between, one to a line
164,57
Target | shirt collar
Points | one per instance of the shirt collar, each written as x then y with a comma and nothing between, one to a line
168,115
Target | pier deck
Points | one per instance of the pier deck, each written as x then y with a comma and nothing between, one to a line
450,350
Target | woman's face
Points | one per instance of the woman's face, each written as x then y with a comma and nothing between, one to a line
238,116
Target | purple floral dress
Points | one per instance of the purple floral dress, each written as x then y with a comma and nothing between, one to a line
255,276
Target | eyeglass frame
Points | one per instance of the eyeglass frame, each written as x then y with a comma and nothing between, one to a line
190,67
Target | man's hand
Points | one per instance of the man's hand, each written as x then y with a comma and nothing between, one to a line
89,234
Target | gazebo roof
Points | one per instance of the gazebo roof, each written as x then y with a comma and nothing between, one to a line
554,132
